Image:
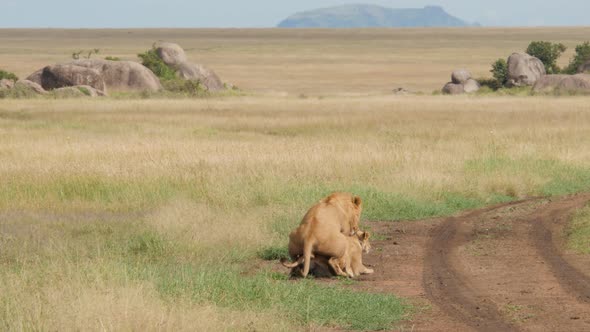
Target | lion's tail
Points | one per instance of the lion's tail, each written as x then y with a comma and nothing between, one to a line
307,248
292,264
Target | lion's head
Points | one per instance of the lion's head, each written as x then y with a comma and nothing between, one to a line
364,241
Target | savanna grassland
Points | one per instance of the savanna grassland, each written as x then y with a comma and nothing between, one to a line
318,62
154,214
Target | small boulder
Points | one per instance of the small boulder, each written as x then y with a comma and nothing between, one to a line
471,86
453,89
65,75
6,84
460,76
193,72
524,69
172,54
33,86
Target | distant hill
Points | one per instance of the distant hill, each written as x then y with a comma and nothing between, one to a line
366,16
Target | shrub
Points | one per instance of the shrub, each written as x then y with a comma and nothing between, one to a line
500,73
548,53
490,83
151,60
582,56
8,76
187,87
112,58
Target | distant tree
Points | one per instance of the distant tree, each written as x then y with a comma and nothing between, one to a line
581,57
548,53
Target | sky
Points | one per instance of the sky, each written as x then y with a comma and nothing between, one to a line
266,13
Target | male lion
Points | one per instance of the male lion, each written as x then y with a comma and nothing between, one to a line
324,231
353,259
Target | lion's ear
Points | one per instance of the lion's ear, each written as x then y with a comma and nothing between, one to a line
357,200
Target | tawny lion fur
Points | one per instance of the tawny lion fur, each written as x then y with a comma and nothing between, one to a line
354,257
324,231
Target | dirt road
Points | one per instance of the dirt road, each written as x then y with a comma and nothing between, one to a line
502,268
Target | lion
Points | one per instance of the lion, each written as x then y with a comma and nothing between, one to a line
324,229
352,262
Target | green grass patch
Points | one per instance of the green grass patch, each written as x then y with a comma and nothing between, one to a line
303,302
106,248
578,233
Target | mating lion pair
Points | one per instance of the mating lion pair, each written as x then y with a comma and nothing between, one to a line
330,232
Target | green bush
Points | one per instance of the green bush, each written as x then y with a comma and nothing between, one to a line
582,56
500,73
186,87
490,83
8,75
151,60
548,53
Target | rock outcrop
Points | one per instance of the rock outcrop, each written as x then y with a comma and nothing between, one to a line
460,76
563,83
67,75
453,89
174,56
114,75
471,86
33,86
524,70
123,75
461,82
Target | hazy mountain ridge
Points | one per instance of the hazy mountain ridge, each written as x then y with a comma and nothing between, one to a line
366,16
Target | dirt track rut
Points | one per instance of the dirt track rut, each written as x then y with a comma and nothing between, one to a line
502,268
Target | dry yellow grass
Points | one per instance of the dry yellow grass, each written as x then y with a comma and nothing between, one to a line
314,62
115,213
